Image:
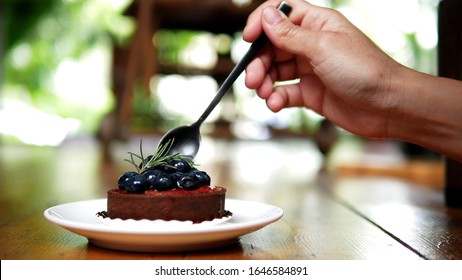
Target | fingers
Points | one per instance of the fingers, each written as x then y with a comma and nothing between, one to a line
309,92
255,72
284,97
294,42
264,64
253,27
285,35
264,71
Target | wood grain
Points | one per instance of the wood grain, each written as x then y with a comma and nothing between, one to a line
326,216
416,217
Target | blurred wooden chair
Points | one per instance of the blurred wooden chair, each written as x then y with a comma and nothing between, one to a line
136,63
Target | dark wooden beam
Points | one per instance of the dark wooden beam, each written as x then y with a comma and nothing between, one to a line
450,66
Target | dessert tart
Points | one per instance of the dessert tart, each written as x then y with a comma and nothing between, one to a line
165,187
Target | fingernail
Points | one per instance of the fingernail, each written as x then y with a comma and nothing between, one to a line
271,16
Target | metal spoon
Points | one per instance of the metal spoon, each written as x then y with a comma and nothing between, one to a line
185,139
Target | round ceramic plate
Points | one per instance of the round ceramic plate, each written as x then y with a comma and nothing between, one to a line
80,218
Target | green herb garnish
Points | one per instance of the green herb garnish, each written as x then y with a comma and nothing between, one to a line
160,158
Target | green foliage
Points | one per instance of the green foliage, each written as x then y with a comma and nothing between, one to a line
170,43
40,35
20,16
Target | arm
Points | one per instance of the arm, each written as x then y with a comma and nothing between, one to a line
345,77
430,113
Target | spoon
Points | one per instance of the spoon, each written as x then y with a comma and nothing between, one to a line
185,139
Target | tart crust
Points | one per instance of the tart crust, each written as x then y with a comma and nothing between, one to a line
203,204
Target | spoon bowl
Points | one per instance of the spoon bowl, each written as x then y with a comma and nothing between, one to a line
186,139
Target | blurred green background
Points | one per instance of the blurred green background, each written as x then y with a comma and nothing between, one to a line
56,63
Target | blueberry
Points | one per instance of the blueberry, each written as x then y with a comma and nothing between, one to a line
166,168
188,182
163,182
122,181
176,176
151,175
136,184
144,162
180,165
203,179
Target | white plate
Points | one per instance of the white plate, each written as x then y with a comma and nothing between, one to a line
149,224
80,217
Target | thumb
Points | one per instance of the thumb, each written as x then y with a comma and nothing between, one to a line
283,33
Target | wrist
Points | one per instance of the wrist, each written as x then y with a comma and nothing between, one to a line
427,111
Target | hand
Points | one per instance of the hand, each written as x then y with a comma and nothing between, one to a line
342,74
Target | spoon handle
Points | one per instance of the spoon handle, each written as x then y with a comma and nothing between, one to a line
240,67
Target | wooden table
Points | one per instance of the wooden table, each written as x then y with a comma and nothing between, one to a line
328,215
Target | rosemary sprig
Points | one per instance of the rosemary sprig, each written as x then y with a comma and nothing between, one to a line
160,158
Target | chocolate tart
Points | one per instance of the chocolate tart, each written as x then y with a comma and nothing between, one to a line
202,204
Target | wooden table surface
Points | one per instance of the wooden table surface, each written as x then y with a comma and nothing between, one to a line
328,215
